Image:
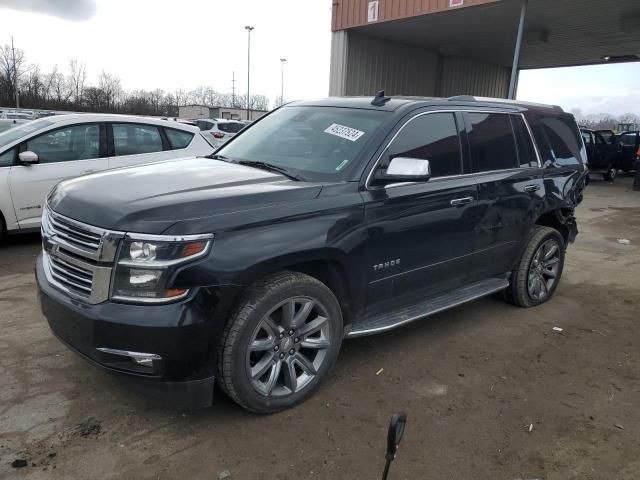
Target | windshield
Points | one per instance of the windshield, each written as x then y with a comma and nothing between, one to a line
321,143
20,131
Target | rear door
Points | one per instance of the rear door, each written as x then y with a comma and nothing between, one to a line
587,138
421,234
629,150
63,153
510,189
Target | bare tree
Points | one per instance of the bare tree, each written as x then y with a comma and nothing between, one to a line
111,88
77,79
13,65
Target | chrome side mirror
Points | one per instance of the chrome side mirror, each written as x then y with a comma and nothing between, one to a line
404,169
28,157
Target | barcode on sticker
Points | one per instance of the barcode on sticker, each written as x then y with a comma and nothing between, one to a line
341,131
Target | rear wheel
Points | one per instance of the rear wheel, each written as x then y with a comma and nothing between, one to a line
611,174
281,342
539,270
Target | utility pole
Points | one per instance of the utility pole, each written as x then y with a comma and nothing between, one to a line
15,74
248,28
233,90
282,62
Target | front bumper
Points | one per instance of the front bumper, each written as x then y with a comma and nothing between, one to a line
182,334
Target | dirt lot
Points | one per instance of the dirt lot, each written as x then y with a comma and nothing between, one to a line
491,391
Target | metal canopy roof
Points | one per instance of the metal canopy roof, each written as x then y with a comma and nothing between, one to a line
557,33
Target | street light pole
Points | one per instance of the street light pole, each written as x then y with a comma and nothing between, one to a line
282,60
248,28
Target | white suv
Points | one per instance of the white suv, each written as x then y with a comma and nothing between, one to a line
218,131
35,156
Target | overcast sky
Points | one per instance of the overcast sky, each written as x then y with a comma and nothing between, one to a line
172,44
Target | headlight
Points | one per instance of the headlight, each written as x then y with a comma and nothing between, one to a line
146,263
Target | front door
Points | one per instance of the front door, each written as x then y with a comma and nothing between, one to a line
421,234
63,153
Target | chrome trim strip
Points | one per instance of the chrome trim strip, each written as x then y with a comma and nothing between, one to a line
168,238
362,333
126,353
151,301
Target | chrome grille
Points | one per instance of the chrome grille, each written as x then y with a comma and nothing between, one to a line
74,278
78,258
74,234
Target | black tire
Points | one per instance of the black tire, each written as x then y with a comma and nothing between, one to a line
518,292
3,229
611,174
234,357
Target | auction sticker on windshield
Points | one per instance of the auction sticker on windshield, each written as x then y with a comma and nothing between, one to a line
341,131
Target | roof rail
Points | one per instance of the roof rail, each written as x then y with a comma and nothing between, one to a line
471,98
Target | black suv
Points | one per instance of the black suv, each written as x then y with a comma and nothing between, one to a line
323,220
603,152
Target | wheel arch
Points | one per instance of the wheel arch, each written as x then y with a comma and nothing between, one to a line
560,219
326,265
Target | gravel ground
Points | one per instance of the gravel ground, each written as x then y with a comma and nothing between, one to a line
491,390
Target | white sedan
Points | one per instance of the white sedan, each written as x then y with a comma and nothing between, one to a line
35,156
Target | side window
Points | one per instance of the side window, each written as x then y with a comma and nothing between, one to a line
78,142
7,158
629,139
178,139
492,141
136,139
600,140
432,137
586,138
526,150
564,139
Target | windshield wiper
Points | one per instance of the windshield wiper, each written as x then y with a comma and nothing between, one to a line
271,168
215,156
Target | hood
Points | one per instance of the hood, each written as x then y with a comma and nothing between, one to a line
151,198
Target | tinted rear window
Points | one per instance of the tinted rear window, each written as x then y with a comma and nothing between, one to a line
177,138
558,139
526,150
492,141
230,127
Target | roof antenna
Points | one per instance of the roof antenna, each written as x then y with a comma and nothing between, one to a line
380,99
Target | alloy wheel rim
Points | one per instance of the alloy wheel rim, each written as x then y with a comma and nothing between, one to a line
288,347
543,271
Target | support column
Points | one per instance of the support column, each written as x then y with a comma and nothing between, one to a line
516,54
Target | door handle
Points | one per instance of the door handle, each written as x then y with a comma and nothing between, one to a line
458,202
531,188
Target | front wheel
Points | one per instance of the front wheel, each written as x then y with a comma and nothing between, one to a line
281,342
539,270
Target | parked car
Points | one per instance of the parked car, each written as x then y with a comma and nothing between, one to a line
218,131
6,124
37,155
629,150
603,151
325,220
